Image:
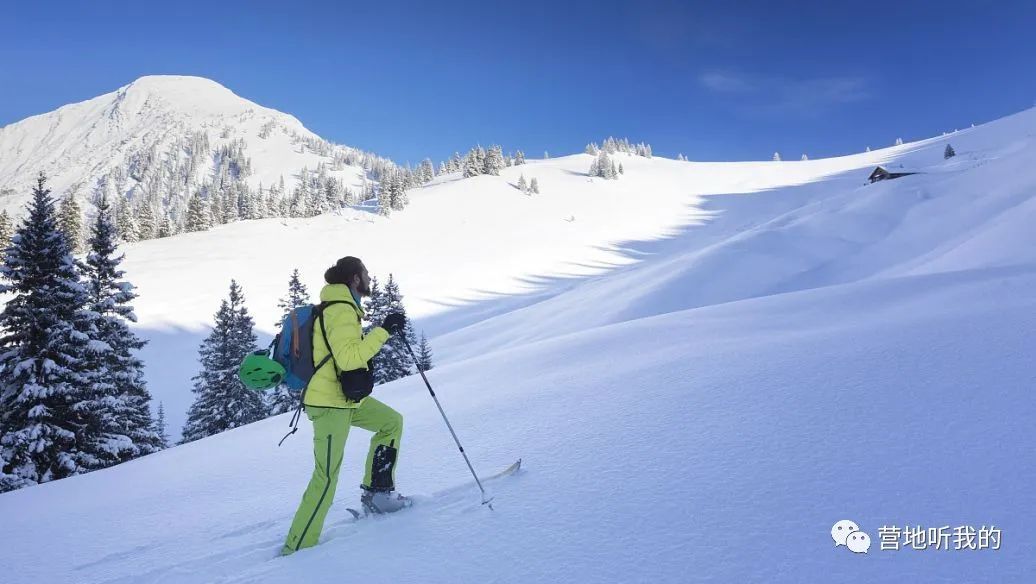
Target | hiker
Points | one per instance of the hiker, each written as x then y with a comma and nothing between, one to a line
332,413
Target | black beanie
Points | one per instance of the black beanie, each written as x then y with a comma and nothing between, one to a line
343,270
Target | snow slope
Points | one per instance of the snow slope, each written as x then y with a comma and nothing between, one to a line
703,366
717,444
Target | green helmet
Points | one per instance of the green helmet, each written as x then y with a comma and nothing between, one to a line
258,371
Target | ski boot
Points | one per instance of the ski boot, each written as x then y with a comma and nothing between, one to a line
379,502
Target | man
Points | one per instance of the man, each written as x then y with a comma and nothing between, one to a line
332,413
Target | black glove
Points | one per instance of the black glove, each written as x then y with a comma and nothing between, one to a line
394,323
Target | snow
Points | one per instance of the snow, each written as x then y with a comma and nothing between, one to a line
708,368
80,143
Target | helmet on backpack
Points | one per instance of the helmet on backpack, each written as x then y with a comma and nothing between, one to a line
258,371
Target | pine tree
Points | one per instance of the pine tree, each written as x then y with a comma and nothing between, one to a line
424,354
122,397
427,171
398,199
474,162
147,223
776,156
494,161
804,157
70,221
374,308
165,228
6,230
384,198
198,217
127,223
44,431
949,152
519,158
297,296
522,185
160,428
546,155
393,360
534,186
221,401
899,141
621,169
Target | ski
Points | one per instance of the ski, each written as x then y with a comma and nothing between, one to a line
514,468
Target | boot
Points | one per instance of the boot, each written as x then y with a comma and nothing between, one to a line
378,502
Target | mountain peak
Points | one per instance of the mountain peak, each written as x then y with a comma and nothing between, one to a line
188,94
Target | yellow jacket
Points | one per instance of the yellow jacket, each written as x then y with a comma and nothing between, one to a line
352,350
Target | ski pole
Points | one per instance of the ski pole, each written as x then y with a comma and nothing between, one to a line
485,501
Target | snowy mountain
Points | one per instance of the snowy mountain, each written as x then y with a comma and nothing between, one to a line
703,366
158,140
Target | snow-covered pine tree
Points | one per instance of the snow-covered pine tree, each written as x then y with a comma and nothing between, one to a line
899,141
160,428
621,169
147,223
949,152
424,354
6,230
397,192
165,227
385,197
221,401
474,163
522,185
70,221
494,161
613,172
776,156
43,428
297,296
519,158
122,392
534,186
546,155
198,217
427,171
374,308
280,399
393,360
804,158
127,223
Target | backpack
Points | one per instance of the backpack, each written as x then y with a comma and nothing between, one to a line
293,349
293,346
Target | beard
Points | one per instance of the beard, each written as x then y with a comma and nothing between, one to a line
363,289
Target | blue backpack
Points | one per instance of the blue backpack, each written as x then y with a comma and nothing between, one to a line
293,346
293,349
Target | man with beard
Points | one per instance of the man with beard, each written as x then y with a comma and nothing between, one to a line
337,398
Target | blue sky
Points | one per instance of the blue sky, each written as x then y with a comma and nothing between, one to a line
711,80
